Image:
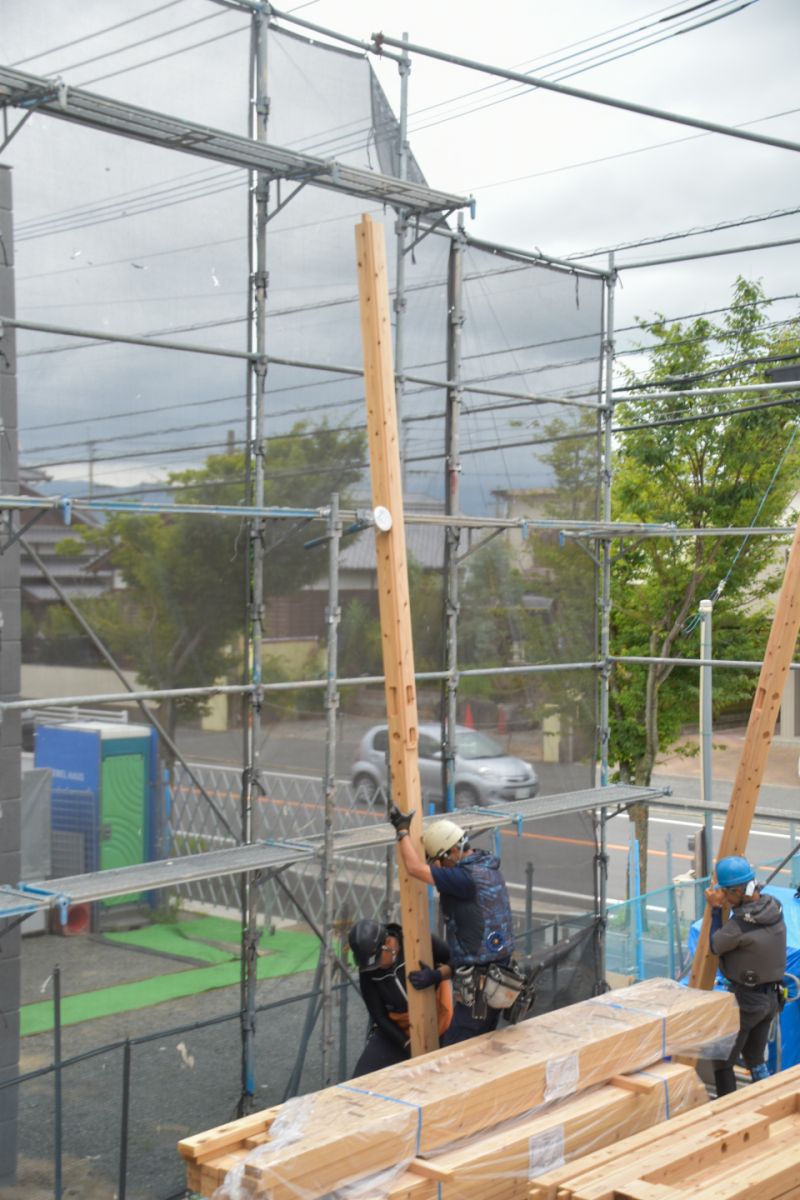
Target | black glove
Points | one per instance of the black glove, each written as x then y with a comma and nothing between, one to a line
400,820
425,977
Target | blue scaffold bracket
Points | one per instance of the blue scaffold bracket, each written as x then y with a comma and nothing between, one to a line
289,844
65,505
525,530
63,902
561,539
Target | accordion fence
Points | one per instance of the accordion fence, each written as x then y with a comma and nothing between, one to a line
401,1120
743,1145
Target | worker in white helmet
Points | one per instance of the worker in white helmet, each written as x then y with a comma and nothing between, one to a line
477,913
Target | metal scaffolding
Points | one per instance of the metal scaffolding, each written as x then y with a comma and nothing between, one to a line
420,211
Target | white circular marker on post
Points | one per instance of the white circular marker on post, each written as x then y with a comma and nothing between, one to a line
382,518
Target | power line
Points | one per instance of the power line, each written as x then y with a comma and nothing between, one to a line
162,57
686,233
153,37
98,33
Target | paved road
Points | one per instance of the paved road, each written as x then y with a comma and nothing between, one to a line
561,850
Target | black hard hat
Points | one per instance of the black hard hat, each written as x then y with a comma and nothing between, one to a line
366,940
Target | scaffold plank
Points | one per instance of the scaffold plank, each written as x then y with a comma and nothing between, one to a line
23,900
22,90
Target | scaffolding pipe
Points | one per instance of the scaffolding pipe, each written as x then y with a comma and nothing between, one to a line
644,392
570,266
706,609
103,336
401,228
452,538
677,258
535,81
259,197
606,422
332,617
58,1106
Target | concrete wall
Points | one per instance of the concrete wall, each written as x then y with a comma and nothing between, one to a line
10,747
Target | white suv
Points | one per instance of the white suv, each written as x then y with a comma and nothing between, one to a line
484,773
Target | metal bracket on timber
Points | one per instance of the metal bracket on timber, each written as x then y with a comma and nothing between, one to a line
395,608
760,728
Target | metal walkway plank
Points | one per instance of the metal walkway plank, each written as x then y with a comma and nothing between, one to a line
269,856
21,90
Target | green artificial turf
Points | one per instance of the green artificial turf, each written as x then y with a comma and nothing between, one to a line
214,939
283,953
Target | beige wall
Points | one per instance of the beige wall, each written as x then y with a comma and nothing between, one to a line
41,682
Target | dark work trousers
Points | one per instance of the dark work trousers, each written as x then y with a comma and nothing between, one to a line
464,1025
757,1008
379,1052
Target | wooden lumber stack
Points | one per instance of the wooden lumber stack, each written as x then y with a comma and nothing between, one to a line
743,1145
412,1110
499,1163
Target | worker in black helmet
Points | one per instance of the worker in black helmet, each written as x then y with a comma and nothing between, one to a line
751,946
378,953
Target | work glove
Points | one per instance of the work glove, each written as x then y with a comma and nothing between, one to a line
425,977
400,820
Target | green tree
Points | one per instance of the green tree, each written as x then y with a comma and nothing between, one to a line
181,614
697,462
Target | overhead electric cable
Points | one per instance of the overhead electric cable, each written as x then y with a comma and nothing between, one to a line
97,33
717,227
153,37
162,57
579,70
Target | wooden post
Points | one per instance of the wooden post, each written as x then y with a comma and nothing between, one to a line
395,609
760,728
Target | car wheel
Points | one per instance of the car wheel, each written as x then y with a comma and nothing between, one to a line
466,796
364,789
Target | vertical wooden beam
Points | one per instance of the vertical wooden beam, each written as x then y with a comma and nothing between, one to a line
395,608
760,728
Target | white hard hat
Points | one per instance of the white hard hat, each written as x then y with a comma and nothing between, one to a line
441,836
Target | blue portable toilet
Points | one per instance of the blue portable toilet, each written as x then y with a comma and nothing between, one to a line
104,788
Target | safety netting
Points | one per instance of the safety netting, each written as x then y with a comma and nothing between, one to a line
116,237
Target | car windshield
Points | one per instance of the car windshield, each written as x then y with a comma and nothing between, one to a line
470,743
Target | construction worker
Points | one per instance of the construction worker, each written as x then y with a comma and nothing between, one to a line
378,952
477,913
751,946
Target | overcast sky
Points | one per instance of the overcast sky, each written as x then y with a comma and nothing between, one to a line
549,172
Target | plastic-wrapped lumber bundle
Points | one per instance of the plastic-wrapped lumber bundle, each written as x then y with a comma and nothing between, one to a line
383,1121
500,1163
741,1146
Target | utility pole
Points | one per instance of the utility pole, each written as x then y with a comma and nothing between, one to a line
395,606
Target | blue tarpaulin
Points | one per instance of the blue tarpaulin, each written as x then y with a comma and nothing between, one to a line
785,1050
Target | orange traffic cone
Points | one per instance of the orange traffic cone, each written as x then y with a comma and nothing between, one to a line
468,721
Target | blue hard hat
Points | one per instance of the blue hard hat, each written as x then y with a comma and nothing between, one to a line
734,871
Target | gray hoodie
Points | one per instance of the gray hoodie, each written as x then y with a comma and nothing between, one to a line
751,944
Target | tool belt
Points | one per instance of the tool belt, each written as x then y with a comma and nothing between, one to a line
494,985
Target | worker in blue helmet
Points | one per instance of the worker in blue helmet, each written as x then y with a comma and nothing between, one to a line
751,946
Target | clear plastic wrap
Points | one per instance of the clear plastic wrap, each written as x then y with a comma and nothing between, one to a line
399,1122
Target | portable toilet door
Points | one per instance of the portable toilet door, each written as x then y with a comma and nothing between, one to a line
125,815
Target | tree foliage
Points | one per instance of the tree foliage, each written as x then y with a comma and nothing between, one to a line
181,614
698,462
